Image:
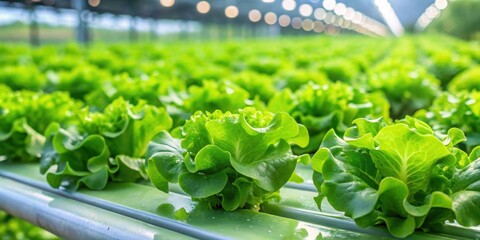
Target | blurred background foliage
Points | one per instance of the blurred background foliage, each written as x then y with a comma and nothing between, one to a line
461,19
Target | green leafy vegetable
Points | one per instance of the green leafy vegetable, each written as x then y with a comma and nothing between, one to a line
399,175
25,115
461,111
105,145
257,85
446,64
407,86
211,96
294,79
332,105
468,80
80,81
19,77
228,160
340,69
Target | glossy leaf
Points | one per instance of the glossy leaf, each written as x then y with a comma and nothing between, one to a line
200,185
167,156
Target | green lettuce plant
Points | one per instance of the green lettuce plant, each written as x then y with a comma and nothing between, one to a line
22,77
340,69
460,110
107,145
445,64
323,107
25,115
400,175
228,160
79,82
468,80
266,65
256,84
407,86
211,96
57,58
295,79
131,89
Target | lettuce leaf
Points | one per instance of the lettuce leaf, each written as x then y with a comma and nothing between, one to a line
466,191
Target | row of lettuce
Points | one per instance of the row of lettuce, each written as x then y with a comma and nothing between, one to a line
410,72
333,105
240,160
229,124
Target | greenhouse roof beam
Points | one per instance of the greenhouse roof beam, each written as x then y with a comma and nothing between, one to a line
408,11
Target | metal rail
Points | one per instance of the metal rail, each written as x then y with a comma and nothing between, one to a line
150,218
297,210
70,219
147,204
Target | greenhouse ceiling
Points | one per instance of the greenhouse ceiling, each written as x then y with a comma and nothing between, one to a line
379,16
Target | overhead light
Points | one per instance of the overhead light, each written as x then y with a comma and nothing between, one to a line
305,10
340,9
296,23
332,30
358,18
390,17
338,21
441,4
270,18
254,15
203,7
432,12
318,26
307,25
289,5
284,20
268,1
167,3
349,13
320,14
347,24
381,3
93,3
231,11
330,18
329,4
